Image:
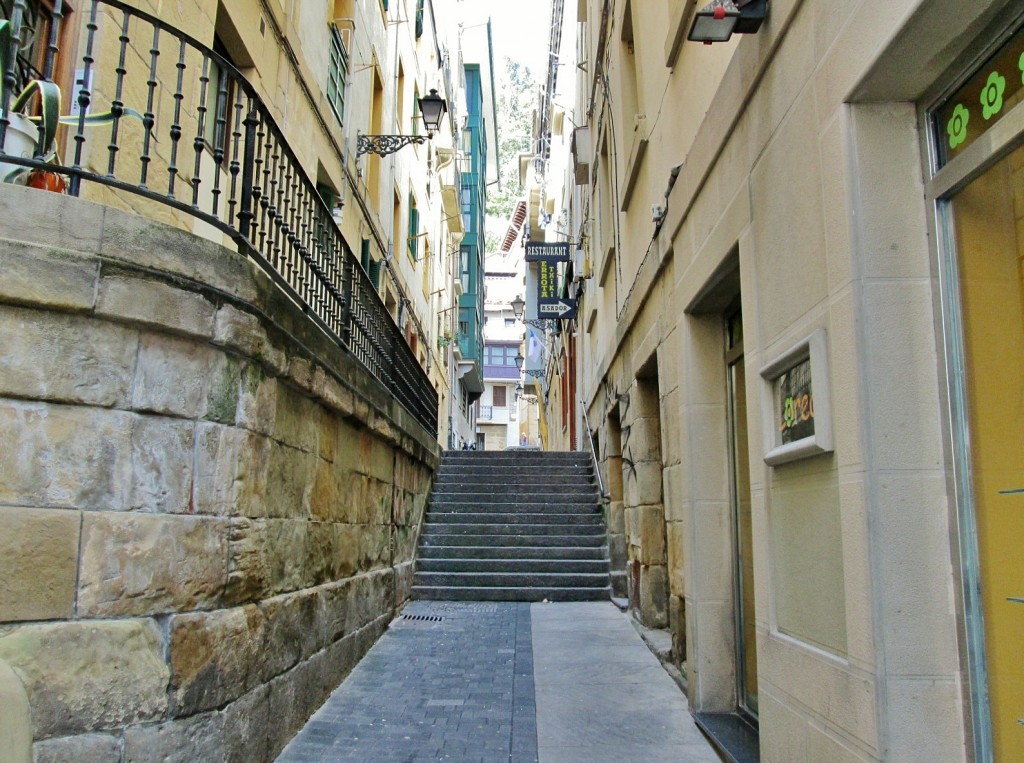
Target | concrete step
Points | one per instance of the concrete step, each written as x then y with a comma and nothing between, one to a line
497,531
562,486
512,579
564,566
519,471
515,456
525,553
509,518
538,498
458,593
515,508
476,539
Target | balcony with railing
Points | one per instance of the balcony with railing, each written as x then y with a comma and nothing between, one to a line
153,114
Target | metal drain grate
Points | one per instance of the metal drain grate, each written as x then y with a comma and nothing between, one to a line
422,618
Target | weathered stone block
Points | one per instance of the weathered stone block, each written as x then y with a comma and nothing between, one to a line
184,378
297,421
45,277
82,748
246,726
16,719
248,573
381,464
286,554
67,358
244,333
329,498
64,456
676,557
290,481
232,468
139,564
677,626
155,303
199,737
615,517
349,605
653,593
292,631
215,657
162,465
257,399
38,563
328,556
336,396
87,676
642,483
646,531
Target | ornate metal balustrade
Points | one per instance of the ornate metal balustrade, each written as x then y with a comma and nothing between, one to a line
159,114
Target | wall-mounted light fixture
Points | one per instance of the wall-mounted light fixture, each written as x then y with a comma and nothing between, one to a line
717,21
432,108
520,360
518,306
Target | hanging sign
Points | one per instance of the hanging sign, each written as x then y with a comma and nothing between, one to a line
549,304
537,251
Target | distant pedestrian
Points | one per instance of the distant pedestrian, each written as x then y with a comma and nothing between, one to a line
522,439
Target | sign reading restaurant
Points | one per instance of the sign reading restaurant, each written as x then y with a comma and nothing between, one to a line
538,251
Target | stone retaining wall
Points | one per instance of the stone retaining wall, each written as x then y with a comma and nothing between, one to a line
208,512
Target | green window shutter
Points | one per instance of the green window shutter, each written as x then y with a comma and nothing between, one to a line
414,229
419,18
374,273
364,254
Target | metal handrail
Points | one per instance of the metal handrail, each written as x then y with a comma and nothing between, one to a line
209,147
593,453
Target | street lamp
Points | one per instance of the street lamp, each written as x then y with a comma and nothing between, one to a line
518,306
520,360
717,21
432,108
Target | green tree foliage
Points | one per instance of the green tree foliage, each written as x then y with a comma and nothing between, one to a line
517,99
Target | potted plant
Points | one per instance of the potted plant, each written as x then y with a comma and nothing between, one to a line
28,136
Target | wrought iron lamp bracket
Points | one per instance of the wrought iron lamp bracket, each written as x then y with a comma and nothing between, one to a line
541,323
382,145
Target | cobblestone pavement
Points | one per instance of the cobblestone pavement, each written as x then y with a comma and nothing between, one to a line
496,683
447,682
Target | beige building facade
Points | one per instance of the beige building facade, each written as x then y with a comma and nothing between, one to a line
799,357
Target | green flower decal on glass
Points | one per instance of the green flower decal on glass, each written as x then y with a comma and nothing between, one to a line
1020,65
957,126
992,95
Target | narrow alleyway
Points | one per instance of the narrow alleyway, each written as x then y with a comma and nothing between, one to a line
487,682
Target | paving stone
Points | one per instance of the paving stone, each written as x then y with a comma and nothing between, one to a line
433,690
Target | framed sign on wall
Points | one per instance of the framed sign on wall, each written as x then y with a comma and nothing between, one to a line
798,401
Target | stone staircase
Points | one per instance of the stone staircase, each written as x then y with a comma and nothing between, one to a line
513,525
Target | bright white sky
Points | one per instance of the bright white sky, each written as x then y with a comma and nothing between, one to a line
520,31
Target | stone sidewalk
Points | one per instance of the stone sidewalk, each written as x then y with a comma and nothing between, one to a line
505,683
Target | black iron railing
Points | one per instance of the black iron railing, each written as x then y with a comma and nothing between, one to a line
157,113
